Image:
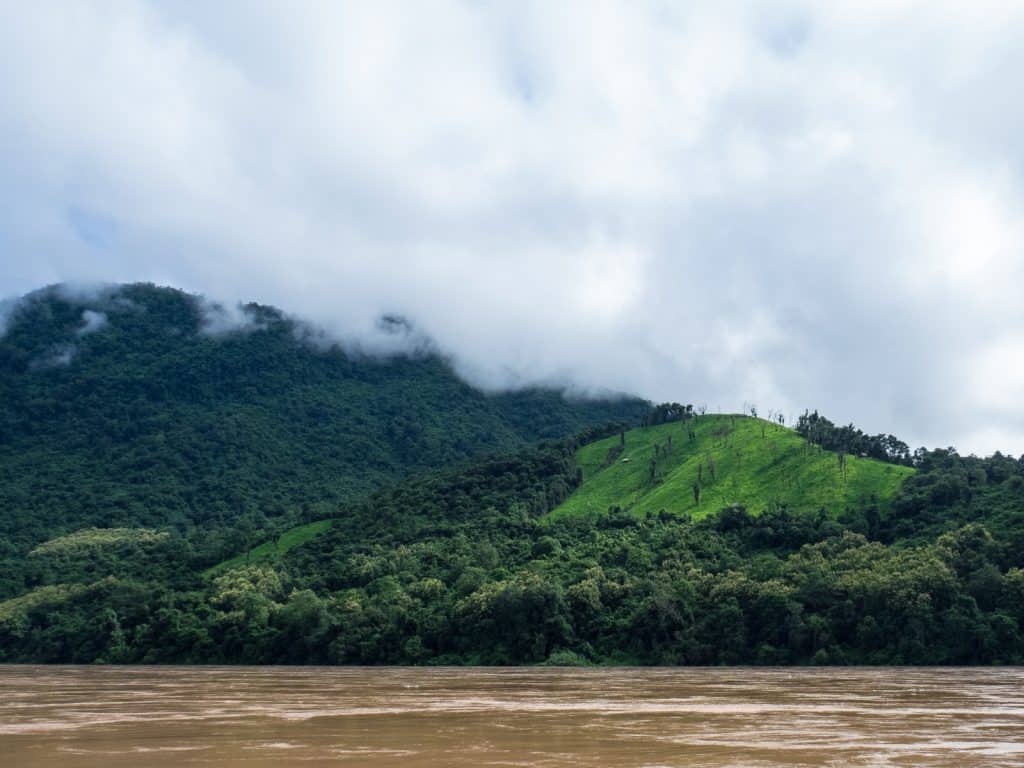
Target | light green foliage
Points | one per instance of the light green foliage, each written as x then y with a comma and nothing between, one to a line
756,463
93,539
269,551
49,595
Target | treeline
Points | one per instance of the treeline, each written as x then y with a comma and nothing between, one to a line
849,440
949,491
667,412
461,567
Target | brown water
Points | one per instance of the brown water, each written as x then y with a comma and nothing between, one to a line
174,716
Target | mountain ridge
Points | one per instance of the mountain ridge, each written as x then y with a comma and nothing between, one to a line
129,406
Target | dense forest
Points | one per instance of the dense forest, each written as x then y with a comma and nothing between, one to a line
475,549
141,406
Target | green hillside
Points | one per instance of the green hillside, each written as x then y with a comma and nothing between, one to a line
273,550
136,406
734,460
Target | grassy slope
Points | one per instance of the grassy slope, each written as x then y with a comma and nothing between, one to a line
757,464
271,550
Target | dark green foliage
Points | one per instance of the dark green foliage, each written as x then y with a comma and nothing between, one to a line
666,412
152,421
950,491
850,440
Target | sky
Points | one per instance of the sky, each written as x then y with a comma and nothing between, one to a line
788,204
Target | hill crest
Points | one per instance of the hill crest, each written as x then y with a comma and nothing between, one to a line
703,464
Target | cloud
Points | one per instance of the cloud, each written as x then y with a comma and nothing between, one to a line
7,307
217,319
793,203
92,321
59,356
92,228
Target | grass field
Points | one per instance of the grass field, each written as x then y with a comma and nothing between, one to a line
271,550
757,464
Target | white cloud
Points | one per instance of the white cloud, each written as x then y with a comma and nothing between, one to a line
792,203
217,319
92,321
998,375
59,356
7,307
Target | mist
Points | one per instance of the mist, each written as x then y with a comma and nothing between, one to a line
792,205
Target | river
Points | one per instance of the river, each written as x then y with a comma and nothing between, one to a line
414,718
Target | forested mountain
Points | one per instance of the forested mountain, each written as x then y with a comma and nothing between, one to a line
147,444
143,406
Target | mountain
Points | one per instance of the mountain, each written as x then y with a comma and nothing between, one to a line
140,406
184,483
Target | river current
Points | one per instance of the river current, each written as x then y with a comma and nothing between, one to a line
543,718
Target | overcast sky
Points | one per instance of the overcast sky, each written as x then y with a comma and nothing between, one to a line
794,204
